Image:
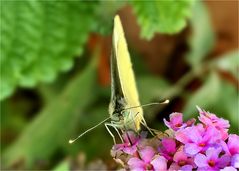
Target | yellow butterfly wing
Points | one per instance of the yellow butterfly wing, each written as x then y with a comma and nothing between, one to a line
123,87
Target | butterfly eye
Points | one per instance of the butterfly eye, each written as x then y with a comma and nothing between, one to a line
116,116
123,113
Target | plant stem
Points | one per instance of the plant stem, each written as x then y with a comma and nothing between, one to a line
177,88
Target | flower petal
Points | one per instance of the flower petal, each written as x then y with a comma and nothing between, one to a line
176,118
130,137
147,154
224,161
130,150
213,153
230,168
180,155
159,163
168,124
235,161
212,135
136,163
224,147
173,167
187,168
169,144
182,136
200,160
194,134
189,134
233,144
192,148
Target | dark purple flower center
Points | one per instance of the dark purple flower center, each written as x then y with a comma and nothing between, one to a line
149,166
171,154
181,163
202,144
214,121
211,163
136,154
178,125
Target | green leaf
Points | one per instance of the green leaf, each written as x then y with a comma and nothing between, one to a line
227,105
89,144
52,126
229,62
104,22
216,96
205,97
203,38
161,16
151,88
39,39
63,166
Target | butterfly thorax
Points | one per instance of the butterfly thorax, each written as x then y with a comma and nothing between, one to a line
117,117
116,108
122,119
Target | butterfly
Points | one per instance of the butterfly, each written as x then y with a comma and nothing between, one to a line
124,94
125,110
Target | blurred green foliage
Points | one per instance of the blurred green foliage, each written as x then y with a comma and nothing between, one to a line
203,38
162,16
65,109
39,39
62,166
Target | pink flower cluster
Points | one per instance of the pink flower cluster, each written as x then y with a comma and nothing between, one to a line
183,146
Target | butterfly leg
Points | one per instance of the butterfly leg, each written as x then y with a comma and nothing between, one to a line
114,126
106,125
143,122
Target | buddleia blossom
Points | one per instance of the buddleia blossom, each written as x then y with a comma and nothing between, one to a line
181,161
185,146
197,138
168,148
147,159
130,143
176,121
211,159
210,119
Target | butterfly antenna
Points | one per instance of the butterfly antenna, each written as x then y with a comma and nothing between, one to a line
150,104
88,130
